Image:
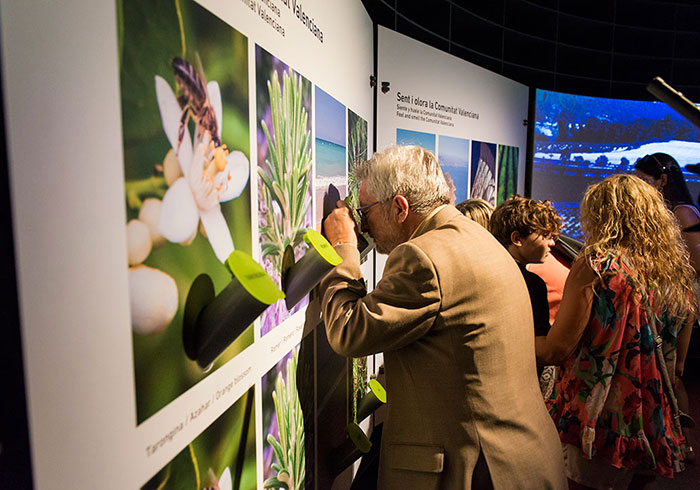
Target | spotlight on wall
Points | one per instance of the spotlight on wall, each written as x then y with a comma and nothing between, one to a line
679,102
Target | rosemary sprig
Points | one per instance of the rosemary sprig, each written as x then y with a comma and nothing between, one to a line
287,169
359,383
357,152
289,450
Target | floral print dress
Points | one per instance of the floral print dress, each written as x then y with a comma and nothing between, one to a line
609,399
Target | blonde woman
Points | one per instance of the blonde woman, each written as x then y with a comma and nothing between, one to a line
609,404
477,210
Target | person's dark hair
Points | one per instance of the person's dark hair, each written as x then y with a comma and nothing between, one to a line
657,164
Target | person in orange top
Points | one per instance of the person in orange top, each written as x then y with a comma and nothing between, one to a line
553,271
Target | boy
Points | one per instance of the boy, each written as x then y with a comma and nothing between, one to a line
528,230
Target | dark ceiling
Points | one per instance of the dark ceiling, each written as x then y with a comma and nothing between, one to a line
604,48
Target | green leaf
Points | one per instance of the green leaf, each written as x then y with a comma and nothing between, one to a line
274,483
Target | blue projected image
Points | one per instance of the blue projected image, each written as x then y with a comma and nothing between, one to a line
581,140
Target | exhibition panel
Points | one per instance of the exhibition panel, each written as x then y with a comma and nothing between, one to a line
164,280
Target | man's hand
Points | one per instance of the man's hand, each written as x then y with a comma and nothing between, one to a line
339,226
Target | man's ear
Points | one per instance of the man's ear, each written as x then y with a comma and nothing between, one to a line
516,239
401,206
664,180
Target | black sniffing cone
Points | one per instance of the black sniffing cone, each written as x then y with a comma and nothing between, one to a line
301,277
213,322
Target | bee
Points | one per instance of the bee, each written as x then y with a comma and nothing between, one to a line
194,100
214,481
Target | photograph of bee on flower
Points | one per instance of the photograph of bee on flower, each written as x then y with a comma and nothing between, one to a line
184,94
283,103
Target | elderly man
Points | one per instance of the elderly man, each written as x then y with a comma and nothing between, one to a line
453,318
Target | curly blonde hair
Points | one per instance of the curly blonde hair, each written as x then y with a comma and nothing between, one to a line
525,216
626,217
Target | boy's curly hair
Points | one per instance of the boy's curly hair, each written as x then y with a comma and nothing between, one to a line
525,216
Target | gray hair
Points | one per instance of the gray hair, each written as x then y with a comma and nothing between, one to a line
409,171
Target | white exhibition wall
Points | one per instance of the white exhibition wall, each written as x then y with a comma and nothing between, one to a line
69,132
437,99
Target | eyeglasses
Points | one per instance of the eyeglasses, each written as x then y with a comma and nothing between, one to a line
363,210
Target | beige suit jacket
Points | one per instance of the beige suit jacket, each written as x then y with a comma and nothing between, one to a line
452,316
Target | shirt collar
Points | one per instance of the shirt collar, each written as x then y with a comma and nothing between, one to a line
421,226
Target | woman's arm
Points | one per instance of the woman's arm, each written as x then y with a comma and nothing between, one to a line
573,316
686,217
682,345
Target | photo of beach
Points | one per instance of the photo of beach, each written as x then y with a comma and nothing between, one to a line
330,182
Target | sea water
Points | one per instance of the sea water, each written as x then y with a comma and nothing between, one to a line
330,159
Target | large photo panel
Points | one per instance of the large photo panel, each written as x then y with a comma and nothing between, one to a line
151,158
186,168
222,457
285,183
464,108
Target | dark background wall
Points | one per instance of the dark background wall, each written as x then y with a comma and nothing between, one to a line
604,48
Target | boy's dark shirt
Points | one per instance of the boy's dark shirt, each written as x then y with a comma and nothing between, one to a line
540,306
538,299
